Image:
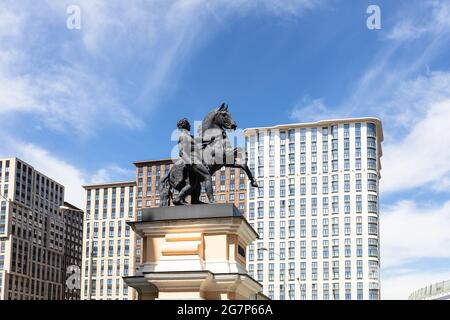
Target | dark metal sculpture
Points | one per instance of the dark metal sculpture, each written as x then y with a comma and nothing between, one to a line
201,157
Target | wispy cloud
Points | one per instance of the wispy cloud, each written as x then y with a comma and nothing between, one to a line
412,231
423,156
61,170
62,93
49,164
113,173
308,109
415,24
73,80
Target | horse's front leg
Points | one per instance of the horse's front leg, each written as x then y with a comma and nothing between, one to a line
242,164
249,173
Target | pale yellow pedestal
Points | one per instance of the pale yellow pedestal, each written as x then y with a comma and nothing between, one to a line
199,258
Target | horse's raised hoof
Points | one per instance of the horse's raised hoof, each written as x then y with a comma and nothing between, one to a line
179,202
254,184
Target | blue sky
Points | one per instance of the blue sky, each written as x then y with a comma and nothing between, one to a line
83,104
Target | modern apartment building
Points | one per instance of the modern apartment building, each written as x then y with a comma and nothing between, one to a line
109,251
435,291
32,233
73,245
316,210
229,184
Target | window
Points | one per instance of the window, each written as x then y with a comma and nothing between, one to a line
347,183
260,271
372,182
335,183
336,291
251,211
372,203
348,251
373,270
271,230
360,294
348,291
326,291
125,267
326,270
373,225
348,269
271,272
325,184
314,271
303,228
359,247
358,203
373,291
291,271
303,249
303,271
359,226
127,247
292,228
373,247
272,188
111,248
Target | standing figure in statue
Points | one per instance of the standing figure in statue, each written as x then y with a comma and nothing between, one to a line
194,170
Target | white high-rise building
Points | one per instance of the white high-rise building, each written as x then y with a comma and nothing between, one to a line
316,210
109,245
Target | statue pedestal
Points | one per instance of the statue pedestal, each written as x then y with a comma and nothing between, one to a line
194,252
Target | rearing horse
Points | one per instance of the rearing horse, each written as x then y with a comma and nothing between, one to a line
216,152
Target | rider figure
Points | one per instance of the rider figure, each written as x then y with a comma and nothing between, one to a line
191,154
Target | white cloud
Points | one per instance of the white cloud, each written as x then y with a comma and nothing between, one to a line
77,85
55,168
313,110
406,31
409,232
423,156
400,286
10,24
433,18
65,94
68,80
61,170
442,184
112,173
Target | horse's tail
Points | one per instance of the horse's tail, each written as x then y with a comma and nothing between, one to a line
165,190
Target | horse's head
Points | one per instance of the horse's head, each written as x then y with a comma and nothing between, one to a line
224,119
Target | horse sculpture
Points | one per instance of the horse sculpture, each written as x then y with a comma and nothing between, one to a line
216,152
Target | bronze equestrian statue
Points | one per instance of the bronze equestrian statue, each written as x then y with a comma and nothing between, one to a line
201,157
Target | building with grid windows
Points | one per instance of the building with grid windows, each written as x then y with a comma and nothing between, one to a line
316,210
32,234
73,245
109,251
